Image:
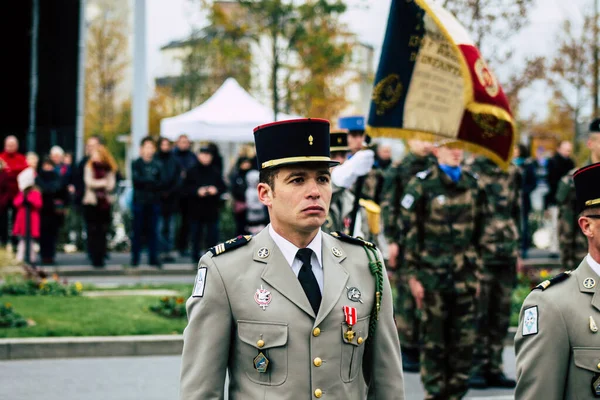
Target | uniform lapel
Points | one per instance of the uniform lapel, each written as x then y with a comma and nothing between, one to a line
334,278
278,272
585,271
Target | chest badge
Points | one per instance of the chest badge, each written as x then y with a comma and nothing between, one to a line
262,297
336,252
263,252
261,363
593,326
353,294
351,317
589,283
441,199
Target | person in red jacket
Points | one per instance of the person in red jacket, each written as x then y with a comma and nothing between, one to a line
28,200
14,164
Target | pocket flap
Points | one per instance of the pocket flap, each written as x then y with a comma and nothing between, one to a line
272,334
361,330
587,358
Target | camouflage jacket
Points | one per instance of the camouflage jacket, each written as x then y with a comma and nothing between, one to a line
573,243
442,242
500,239
372,185
396,179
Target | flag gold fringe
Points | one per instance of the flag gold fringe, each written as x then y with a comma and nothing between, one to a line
399,133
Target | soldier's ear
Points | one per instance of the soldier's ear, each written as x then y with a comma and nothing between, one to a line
586,226
265,194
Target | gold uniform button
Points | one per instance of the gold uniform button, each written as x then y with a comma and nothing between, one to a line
317,361
260,344
598,365
318,393
316,332
360,340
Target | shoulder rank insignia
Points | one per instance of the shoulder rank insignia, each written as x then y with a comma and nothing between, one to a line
230,244
423,174
558,278
351,239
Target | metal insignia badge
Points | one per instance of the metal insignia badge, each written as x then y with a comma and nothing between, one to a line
596,385
261,363
263,252
262,297
353,294
593,326
336,252
589,283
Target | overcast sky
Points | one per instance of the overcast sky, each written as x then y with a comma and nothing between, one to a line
173,19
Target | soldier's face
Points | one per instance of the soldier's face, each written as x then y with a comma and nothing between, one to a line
449,156
355,142
300,201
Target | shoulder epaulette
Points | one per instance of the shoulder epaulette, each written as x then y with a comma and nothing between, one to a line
351,239
230,244
558,278
423,174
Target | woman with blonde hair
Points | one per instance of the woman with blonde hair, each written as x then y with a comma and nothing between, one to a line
99,177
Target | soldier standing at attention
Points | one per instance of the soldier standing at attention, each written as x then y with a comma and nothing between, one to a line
573,243
499,251
556,344
295,313
445,208
418,159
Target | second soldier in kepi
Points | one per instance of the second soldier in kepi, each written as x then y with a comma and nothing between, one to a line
556,344
572,242
293,312
499,252
445,207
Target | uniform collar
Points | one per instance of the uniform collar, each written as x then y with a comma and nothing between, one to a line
594,265
289,249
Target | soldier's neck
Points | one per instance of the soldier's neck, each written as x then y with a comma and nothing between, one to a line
300,239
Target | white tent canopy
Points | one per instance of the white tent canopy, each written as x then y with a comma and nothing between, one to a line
230,115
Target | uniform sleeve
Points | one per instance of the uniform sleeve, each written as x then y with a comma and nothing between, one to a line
206,339
390,206
386,376
542,358
412,206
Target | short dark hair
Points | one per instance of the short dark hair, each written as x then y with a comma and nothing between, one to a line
268,176
162,139
147,139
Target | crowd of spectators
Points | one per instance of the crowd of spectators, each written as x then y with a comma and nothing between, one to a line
176,200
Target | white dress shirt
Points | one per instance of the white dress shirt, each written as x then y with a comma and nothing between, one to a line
593,264
289,251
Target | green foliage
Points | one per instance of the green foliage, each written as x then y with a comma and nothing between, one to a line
170,307
17,286
91,316
9,318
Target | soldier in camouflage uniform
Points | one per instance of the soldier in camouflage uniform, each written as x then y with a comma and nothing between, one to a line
418,159
499,252
573,243
445,206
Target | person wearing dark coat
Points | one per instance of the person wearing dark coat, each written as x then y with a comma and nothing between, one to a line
147,176
528,184
168,197
186,160
237,181
204,186
54,197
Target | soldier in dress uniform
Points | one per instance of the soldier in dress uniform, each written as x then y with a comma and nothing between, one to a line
292,313
445,206
573,243
418,159
556,344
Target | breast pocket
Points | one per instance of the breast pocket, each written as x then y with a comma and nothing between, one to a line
353,349
270,339
587,361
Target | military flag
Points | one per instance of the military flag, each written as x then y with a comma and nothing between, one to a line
432,83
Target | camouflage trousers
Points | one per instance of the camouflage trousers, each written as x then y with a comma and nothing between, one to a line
493,319
407,315
448,338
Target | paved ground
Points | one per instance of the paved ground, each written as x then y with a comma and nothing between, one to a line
134,378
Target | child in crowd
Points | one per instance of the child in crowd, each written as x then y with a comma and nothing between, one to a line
28,201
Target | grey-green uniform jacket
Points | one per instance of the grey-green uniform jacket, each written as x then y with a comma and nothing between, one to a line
309,357
562,359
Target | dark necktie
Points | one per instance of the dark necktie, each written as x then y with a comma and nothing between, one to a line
307,279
